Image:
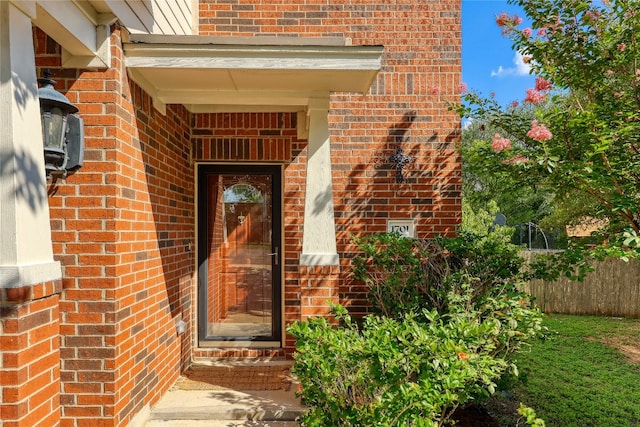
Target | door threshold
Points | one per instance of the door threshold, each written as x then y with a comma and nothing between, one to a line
239,344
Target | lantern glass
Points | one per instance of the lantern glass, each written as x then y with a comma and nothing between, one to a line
54,111
53,127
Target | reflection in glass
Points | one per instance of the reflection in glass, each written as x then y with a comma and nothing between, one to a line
239,288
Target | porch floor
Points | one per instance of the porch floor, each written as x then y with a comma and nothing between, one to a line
230,394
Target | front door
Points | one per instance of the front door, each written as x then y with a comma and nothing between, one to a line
239,253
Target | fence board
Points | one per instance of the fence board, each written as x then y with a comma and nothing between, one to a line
612,289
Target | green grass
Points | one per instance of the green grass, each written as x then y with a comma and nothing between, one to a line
572,378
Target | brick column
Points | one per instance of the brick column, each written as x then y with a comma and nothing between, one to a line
319,285
30,362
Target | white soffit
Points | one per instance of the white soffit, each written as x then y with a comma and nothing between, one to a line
209,74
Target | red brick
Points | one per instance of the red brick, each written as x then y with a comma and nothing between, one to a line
137,184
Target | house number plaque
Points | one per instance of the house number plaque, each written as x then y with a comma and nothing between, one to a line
405,227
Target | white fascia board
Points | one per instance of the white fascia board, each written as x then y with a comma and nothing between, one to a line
141,22
67,25
243,74
245,108
253,57
85,43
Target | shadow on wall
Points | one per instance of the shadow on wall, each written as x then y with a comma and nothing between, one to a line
398,136
322,200
27,183
429,170
170,186
429,182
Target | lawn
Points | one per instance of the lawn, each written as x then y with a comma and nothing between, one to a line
585,373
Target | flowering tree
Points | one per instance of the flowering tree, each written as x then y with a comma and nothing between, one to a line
581,136
488,187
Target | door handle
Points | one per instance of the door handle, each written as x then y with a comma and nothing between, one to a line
275,254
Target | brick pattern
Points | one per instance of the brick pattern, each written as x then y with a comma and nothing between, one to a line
250,137
30,361
215,286
22,294
122,228
406,108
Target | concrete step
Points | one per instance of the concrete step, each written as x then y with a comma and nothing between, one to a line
219,423
226,407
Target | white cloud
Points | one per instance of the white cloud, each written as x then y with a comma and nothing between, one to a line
519,68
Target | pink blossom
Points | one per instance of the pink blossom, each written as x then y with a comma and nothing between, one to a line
499,143
609,73
519,158
533,96
622,47
435,90
462,88
539,132
542,84
505,21
514,104
527,32
492,95
502,20
542,32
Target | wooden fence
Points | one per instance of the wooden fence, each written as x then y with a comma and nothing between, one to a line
613,289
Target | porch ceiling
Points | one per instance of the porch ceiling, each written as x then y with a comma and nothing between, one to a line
208,74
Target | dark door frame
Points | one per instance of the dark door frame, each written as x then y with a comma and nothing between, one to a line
203,170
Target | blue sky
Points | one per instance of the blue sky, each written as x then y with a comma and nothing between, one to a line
489,64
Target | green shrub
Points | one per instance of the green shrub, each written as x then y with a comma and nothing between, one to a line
408,275
403,275
447,317
408,371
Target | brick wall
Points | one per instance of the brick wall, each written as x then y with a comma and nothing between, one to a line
122,228
30,357
407,108
123,225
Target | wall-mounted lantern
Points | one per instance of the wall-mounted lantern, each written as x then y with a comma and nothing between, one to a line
62,130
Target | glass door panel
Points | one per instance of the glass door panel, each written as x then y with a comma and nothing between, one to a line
240,288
